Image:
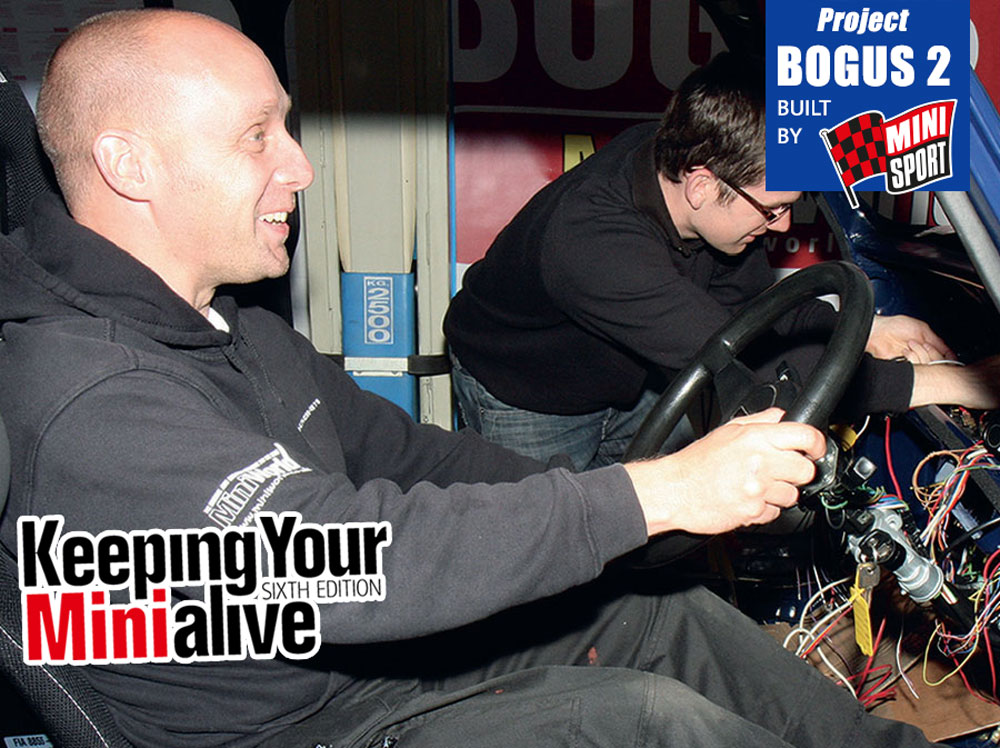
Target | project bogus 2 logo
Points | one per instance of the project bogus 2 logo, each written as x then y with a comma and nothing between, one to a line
912,149
878,88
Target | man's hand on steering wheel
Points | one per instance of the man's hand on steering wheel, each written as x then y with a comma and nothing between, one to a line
742,473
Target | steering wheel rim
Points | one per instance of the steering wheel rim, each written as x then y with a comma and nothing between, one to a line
824,386
822,390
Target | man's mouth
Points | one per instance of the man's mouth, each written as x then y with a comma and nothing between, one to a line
280,216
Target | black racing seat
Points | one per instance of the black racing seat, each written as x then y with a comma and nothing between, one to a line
72,712
25,171
4,466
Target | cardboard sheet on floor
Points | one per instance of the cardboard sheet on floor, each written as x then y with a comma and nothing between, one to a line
944,711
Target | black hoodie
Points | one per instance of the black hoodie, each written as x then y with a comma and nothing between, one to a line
128,410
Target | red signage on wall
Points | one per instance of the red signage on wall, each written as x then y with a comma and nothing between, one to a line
539,84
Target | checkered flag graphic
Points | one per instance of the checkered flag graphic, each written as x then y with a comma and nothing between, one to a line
857,149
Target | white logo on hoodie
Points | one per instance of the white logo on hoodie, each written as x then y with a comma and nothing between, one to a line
254,483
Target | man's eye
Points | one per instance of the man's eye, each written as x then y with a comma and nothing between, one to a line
257,136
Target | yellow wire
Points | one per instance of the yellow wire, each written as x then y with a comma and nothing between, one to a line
927,654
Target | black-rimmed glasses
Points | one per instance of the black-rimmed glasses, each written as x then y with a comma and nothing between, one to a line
769,215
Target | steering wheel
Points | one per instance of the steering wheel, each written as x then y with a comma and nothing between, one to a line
822,390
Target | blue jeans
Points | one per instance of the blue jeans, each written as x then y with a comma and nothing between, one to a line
591,440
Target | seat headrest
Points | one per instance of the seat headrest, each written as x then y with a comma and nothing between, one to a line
4,466
25,171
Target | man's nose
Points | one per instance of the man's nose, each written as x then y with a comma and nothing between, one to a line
782,224
295,169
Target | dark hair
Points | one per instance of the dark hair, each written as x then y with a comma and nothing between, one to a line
716,119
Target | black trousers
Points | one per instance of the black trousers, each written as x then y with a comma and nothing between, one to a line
595,667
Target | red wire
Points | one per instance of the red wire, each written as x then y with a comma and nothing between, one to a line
968,687
993,669
868,701
872,693
987,573
825,631
878,640
885,673
888,457
987,601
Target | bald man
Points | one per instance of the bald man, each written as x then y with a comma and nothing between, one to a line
136,398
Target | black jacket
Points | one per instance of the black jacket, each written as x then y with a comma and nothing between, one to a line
127,410
590,286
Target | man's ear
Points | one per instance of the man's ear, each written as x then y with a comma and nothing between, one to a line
700,186
123,160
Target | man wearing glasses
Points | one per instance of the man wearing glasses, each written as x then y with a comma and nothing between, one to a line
612,277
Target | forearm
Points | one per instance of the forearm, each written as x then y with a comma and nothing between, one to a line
970,386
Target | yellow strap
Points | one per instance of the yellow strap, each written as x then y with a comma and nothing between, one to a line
862,619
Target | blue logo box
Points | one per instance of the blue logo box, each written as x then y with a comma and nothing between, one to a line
868,95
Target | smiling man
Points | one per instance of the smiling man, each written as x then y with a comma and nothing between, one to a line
613,276
197,176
